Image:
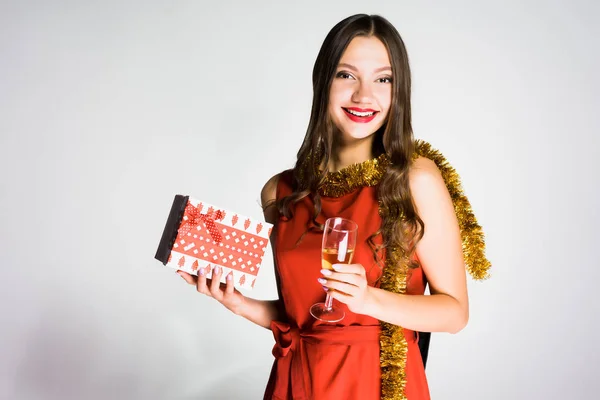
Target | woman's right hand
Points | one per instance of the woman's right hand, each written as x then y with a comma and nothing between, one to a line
225,294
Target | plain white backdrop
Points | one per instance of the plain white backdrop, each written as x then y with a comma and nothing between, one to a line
110,108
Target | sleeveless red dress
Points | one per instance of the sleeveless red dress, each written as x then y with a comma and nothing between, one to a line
317,360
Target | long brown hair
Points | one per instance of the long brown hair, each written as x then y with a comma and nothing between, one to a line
401,226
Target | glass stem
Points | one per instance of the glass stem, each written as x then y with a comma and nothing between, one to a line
328,302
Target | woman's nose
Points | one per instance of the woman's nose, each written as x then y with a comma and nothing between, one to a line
363,93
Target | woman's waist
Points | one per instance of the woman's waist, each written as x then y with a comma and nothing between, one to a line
289,335
299,317
328,334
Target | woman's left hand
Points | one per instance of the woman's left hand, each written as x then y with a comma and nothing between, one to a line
347,284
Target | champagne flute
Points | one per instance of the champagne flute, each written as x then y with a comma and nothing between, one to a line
339,243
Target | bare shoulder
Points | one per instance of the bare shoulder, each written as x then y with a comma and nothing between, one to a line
427,185
269,190
423,172
268,197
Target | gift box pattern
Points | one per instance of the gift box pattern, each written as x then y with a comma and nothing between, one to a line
209,237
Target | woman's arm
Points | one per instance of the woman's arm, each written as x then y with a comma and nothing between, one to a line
441,257
260,312
265,311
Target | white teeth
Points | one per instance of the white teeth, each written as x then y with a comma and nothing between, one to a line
360,114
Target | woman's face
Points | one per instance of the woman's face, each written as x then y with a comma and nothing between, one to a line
361,91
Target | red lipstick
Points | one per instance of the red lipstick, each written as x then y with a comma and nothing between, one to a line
359,118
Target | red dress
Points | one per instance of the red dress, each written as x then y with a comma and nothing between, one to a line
317,360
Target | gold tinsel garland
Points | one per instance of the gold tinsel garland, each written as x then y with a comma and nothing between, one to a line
368,173
393,346
473,241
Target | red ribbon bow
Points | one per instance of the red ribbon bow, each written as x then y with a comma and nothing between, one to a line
195,217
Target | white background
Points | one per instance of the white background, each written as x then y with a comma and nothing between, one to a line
110,108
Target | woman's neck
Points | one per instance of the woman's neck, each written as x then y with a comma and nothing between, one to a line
345,155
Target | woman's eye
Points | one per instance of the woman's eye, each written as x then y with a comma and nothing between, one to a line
386,79
343,75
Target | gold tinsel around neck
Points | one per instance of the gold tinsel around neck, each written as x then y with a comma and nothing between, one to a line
352,177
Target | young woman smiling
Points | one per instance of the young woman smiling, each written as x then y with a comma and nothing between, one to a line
359,161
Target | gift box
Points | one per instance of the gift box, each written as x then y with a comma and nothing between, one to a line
199,235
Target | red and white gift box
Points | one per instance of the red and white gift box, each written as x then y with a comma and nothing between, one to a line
200,235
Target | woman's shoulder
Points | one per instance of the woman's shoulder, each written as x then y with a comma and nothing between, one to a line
268,199
427,186
429,167
422,171
271,189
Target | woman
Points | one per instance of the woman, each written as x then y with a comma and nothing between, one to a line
359,161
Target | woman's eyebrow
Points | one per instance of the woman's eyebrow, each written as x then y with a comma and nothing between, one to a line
353,68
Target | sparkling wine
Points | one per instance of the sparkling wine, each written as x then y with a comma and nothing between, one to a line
332,256
339,242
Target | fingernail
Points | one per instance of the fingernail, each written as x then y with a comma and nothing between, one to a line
201,271
336,267
322,281
216,270
230,276
326,272
325,288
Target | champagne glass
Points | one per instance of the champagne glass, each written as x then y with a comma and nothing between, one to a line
339,243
